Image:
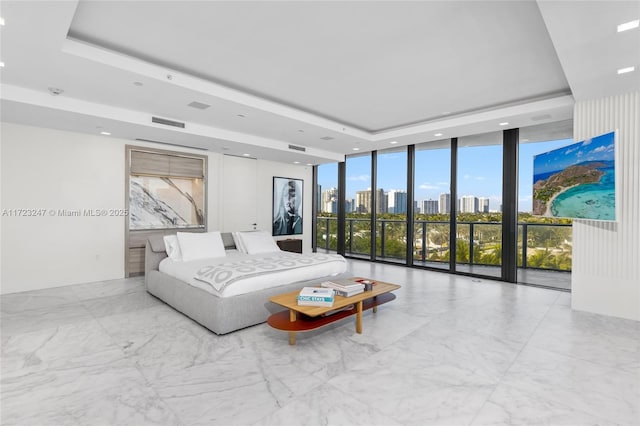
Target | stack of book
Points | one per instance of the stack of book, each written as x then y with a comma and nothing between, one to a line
344,288
314,296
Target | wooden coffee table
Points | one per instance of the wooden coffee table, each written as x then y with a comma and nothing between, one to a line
313,317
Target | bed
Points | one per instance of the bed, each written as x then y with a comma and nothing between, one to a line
225,308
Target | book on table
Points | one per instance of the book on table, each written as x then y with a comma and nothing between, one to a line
316,296
344,288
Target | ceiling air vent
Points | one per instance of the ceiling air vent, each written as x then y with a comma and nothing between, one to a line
167,122
326,138
297,148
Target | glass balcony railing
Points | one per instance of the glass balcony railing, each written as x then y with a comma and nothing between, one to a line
540,245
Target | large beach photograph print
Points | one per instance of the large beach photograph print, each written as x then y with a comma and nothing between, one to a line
577,181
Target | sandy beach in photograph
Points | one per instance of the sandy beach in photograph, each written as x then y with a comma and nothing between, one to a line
553,198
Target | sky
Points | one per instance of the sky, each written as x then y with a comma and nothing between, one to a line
479,172
598,148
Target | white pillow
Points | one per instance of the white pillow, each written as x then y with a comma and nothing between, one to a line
237,239
200,245
258,242
172,247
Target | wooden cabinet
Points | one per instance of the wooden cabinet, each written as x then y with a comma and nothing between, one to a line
292,245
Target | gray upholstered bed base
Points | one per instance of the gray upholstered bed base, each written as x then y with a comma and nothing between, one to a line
219,314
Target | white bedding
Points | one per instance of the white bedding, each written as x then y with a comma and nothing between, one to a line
186,271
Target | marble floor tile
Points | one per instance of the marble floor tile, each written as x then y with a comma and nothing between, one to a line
608,341
111,394
16,303
43,318
67,346
108,288
509,406
396,381
488,356
450,350
128,328
584,386
326,405
121,303
229,391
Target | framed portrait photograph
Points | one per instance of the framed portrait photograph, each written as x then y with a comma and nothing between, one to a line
287,206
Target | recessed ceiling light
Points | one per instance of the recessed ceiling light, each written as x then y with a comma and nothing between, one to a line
241,115
2,21
1,64
393,142
524,140
504,123
626,70
138,83
198,105
301,131
437,134
309,164
326,138
246,155
626,26
356,149
105,133
296,162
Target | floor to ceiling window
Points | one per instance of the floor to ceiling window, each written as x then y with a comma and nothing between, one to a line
359,203
432,188
326,193
456,212
479,205
544,243
391,205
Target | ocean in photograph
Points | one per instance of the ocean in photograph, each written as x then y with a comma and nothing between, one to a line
577,180
593,200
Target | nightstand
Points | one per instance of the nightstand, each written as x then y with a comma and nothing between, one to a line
293,245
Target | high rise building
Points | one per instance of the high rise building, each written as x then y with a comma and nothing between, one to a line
469,204
319,198
429,206
363,202
397,201
483,205
381,201
329,201
349,205
444,205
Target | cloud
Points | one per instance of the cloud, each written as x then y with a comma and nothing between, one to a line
599,149
479,178
570,150
466,176
586,142
363,178
428,186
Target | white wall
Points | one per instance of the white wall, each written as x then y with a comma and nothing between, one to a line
266,171
49,169
606,255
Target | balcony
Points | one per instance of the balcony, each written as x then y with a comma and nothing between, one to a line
545,259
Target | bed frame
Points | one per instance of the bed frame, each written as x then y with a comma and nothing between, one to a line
219,314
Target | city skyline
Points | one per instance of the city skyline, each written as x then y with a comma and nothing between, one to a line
479,172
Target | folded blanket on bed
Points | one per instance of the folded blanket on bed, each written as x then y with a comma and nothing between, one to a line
224,274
